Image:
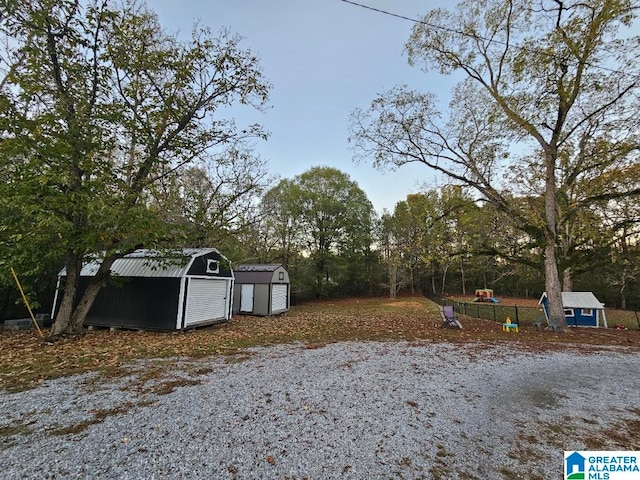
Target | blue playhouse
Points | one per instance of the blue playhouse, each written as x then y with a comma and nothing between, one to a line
581,309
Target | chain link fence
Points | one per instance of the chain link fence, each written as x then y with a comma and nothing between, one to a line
528,316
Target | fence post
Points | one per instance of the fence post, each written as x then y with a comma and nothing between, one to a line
637,319
517,319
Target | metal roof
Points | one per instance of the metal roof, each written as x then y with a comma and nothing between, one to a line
262,273
150,263
267,267
579,300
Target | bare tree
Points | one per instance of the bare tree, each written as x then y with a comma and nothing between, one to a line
541,77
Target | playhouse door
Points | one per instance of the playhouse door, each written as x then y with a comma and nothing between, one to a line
246,298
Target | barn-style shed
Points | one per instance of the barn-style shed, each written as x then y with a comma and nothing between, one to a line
261,289
581,309
151,290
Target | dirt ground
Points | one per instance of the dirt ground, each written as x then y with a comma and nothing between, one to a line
27,360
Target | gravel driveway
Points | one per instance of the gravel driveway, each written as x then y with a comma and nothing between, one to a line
345,410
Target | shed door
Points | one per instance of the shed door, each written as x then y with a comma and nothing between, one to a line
279,298
206,301
246,298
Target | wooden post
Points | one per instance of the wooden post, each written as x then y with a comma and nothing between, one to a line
26,302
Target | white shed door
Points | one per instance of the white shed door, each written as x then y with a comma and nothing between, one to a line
246,297
279,298
206,300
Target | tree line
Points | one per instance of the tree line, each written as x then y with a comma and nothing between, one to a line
322,227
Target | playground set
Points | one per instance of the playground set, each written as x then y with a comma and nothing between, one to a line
485,295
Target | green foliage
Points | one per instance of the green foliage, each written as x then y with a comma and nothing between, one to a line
98,106
319,225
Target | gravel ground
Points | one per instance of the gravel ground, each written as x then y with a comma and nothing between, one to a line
345,410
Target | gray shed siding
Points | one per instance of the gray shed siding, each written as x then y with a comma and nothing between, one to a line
263,278
261,299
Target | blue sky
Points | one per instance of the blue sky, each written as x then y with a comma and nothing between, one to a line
324,58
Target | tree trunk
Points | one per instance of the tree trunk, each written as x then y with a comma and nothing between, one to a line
552,285
464,288
71,317
73,266
552,277
411,271
84,305
444,278
567,280
393,279
433,278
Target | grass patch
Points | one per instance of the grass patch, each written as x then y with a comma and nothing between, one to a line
98,417
12,430
439,471
237,358
623,435
170,386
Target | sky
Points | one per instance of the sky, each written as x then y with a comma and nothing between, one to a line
324,58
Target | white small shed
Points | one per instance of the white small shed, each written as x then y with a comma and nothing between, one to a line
261,289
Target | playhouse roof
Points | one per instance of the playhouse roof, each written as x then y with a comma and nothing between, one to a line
578,300
149,263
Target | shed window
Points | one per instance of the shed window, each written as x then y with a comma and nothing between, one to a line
587,312
213,266
280,275
568,312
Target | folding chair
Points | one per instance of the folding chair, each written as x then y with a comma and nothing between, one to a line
449,318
